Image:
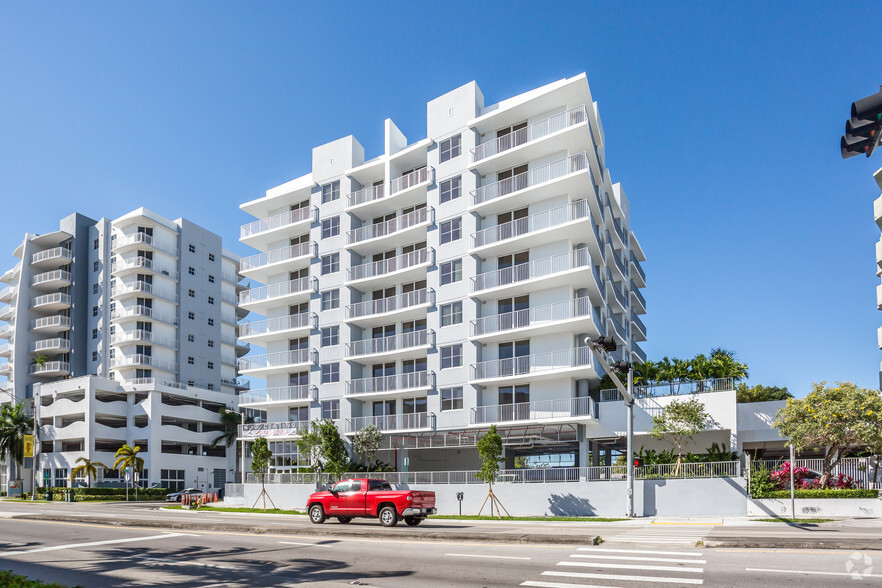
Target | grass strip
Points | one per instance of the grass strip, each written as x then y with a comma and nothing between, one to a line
794,521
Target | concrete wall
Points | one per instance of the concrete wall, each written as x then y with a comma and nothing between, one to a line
815,507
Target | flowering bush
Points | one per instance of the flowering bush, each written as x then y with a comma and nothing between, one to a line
806,480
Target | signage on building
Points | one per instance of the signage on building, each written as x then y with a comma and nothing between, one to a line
28,446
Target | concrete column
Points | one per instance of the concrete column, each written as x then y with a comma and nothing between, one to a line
595,453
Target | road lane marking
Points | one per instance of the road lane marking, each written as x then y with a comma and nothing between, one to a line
632,558
560,585
607,550
306,544
485,556
812,572
94,543
621,566
659,579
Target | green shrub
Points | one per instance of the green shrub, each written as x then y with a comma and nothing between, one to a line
7,578
825,493
109,494
761,483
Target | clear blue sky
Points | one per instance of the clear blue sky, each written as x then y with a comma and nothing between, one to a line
722,123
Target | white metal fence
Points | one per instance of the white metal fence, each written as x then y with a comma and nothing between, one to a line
673,389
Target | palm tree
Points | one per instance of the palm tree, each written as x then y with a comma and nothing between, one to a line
725,364
88,468
231,420
15,423
127,457
645,373
679,371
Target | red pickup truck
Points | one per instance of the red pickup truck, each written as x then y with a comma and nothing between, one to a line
364,497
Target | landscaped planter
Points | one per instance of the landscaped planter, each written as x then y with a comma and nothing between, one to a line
815,507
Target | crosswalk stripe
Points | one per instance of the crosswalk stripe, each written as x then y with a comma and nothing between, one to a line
560,585
632,558
625,566
690,541
694,553
658,579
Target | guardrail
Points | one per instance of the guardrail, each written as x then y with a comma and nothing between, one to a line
534,411
278,359
383,229
278,290
54,253
532,364
533,177
391,303
393,264
637,265
672,389
51,321
418,176
537,130
538,268
277,256
393,422
49,366
279,429
278,221
393,383
368,194
282,323
279,394
398,342
50,276
55,298
535,222
533,316
859,468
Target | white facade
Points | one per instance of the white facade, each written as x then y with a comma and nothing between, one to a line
447,284
136,310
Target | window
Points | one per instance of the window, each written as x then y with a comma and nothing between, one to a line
94,266
451,189
451,356
330,336
192,248
191,270
451,271
211,257
330,227
451,230
191,361
331,192
211,278
331,409
451,314
211,299
450,148
94,333
330,263
191,382
94,356
61,477
451,398
94,311
211,322
95,244
173,480
191,293
211,365
210,343
191,315
210,386
330,299
94,288
330,373
191,338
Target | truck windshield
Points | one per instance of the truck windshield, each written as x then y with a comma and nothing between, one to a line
342,486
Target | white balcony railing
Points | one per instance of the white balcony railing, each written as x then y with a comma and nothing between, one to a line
51,321
416,177
54,253
530,178
393,383
579,357
530,270
278,359
278,290
391,303
8,292
398,342
373,269
558,408
673,389
277,256
278,221
142,287
535,222
383,229
368,194
51,277
141,238
393,422
270,430
282,323
534,316
537,130
141,359
279,394
48,367
54,298
141,311
141,335
55,343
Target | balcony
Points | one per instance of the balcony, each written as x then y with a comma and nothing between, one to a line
8,294
51,280
575,362
393,270
6,350
259,300
140,311
280,430
141,360
576,315
259,233
638,299
638,355
51,324
293,257
55,257
619,263
618,327
142,336
139,288
140,240
54,345
294,395
554,271
637,273
261,331
51,302
395,232
404,191
280,360
638,329
7,313
365,195
11,275
51,369
617,290
403,306
7,331
6,369
394,423
390,386
140,264
559,409
523,233
402,345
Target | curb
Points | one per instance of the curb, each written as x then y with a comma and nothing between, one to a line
781,543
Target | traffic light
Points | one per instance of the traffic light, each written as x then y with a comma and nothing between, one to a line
607,343
638,462
864,129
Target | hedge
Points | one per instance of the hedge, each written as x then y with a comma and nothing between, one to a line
109,494
8,578
825,493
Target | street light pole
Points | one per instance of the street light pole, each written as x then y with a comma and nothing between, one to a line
242,474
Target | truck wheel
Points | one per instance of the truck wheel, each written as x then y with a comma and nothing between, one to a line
388,516
344,520
413,521
317,514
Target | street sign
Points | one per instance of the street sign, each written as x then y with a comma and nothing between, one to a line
28,446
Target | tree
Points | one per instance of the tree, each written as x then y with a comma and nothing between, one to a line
366,443
679,422
310,445
40,360
260,460
87,468
833,419
333,449
230,420
645,373
760,393
725,364
127,457
15,423
699,367
490,451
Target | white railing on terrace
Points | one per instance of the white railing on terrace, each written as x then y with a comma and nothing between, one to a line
7,292
859,468
393,264
140,238
50,276
673,389
278,290
532,364
278,221
534,222
530,270
398,342
534,316
534,177
279,429
282,323
51,321
382,229
368,194
278,359
419,176
49,366
54,343
393,383
393,422
142,335
142,287
139,359
53,253
140,310
391,303
537,130
557,408
56,298
280,394
277,256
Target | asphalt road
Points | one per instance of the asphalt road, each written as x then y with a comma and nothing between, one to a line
101,555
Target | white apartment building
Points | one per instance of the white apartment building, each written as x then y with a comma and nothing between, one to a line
124,331
447,284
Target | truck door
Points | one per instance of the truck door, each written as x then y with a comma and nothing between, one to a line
352,500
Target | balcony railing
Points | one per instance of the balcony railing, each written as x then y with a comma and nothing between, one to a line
637,265
54,253
282,323
278,359
140,310
393,264
641,355
405,221
638,322
51,321
278,290
278,221
140,238
56,343
277,256
418,176
393,422
532,364
636,292
673,389
534,222
617,290
538,268
368,194
142,287
280,429
8,292
533,177
50,277
534,316
620,264
49,366
391,303
559,408
398,342
537,130
393,383
140,359
280,394
139,335
618,325
55,298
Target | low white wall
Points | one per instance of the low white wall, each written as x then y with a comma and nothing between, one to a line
816,507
